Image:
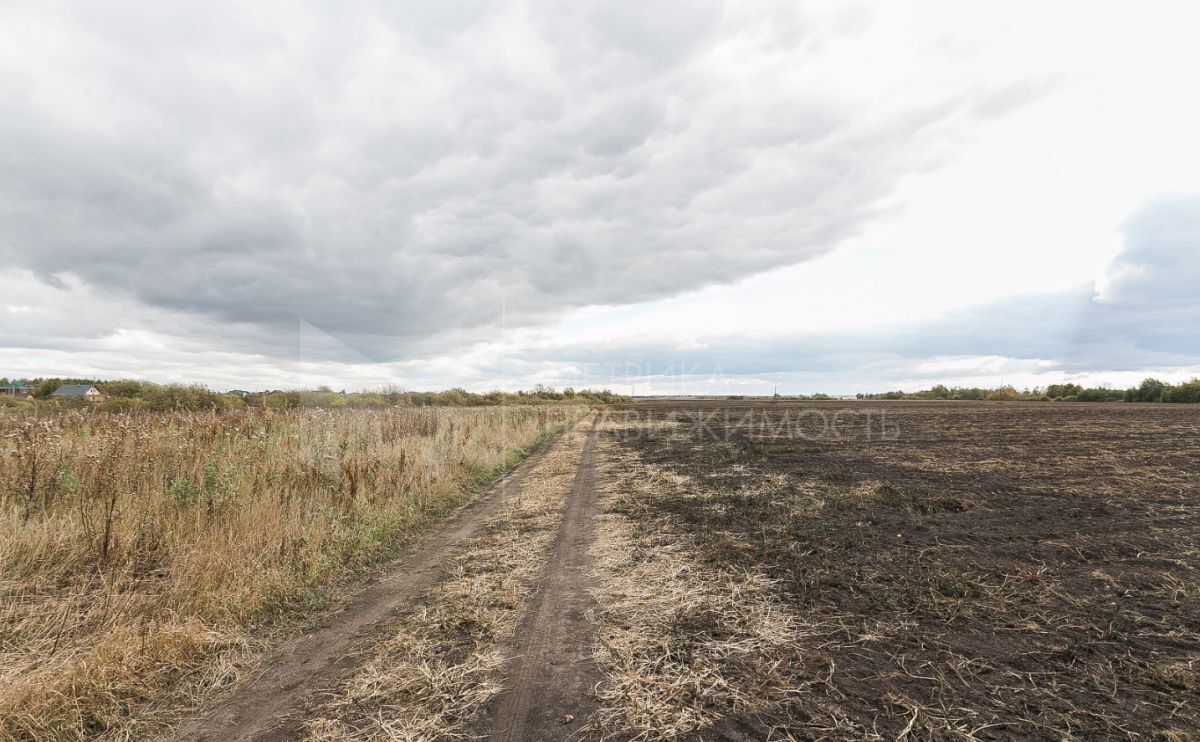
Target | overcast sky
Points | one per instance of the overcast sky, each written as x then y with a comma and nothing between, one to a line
692,196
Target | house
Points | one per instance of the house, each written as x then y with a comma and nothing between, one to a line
78,391
16,389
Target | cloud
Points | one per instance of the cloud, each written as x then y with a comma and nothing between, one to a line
1150,298
404,177
1143,316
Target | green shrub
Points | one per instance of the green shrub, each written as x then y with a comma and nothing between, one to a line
1060,391
1151,390
123,404
1187,393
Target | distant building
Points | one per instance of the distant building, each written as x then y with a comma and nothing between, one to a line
16,389
77,391
238,392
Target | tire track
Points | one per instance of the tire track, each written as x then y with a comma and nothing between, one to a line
549,691
270,705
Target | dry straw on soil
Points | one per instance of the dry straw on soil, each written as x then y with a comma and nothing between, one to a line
1001,571
439,664
139,552
682,646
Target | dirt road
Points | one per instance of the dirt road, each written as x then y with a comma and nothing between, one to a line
547,684
548,691
270,705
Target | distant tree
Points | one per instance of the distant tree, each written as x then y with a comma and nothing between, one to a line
127,388
1003,394
1100,394
1151,390
1187,393
1059,391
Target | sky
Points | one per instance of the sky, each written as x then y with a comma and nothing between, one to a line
662,197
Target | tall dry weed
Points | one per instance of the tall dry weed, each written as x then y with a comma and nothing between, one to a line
138,552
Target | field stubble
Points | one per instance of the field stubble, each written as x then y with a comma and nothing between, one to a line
994,571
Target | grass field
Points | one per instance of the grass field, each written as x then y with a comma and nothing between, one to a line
142,555
923,571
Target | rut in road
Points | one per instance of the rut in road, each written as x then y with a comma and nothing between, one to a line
548,691
270,705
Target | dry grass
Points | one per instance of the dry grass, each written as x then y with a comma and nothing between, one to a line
139,552
682,645
439,664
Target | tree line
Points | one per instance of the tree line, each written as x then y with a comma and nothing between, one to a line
131,395
1150,390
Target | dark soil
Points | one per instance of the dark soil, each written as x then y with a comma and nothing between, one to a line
1007,570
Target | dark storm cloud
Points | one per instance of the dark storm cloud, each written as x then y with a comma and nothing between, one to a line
392,175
